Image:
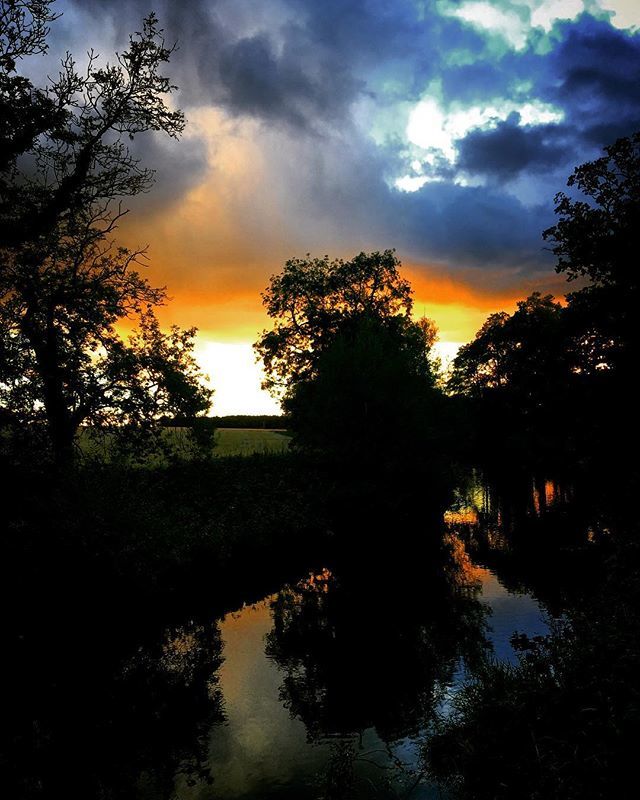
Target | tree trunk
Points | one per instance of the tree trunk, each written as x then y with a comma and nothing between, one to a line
61,424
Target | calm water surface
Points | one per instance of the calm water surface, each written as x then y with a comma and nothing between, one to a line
327,688
294,718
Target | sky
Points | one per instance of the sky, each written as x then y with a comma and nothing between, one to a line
441,129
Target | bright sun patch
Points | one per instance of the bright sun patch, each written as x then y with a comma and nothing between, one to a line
514,21
236,378
626,13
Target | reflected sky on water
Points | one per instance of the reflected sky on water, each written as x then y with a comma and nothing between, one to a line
268,745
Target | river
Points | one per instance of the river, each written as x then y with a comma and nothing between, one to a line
327,687
298,705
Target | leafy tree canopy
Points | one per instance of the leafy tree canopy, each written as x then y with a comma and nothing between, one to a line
314,298
372,392
596,239
518,353
65,285
353,368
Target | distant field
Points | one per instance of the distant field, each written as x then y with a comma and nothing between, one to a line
229,441
246,441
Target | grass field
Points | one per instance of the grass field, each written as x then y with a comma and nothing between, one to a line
228,442
246,441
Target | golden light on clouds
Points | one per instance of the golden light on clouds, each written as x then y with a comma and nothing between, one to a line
216,246
231,319
457,309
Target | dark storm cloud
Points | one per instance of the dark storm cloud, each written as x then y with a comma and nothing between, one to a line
313,67
282,73
469,82
302,66
378,40
361,32
474,226
470,227
590,73
259,82
594,75
458,226
194,27
177,166
293,61
512,148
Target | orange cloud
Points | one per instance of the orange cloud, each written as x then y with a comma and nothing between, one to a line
224,302
216,245
459,306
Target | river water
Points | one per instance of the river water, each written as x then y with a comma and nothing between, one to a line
325,688
309,681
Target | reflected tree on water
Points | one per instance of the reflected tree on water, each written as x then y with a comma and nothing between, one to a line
99,723
373,647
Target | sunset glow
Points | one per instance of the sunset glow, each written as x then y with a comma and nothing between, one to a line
318,338
309,134
235,378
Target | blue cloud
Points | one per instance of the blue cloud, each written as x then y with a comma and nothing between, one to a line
594,74
308,69
282,87
511,149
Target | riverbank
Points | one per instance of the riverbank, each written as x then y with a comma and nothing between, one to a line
125,588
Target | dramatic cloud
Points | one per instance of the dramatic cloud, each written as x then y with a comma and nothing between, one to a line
261,83
511,148
594,73
442,128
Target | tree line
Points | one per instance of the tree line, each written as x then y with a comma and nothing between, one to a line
354,370
544,387
553,380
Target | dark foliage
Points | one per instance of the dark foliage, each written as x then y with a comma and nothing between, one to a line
372,394
64,282
564,721
516,373
250,421
373,643
313,298
357,377
102,567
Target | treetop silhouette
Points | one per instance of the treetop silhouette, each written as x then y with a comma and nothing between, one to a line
65,284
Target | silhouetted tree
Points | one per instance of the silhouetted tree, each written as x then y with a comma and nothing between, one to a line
564,720
373,389
374,645
25,111
311,300
597,239
65,159
64,283
517,372
515,353
352,366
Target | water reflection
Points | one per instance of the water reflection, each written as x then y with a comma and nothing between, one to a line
329,684
321,690
533,532
96,722
505,511
372,648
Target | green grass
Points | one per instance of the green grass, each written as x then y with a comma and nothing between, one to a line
247,441
228,442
